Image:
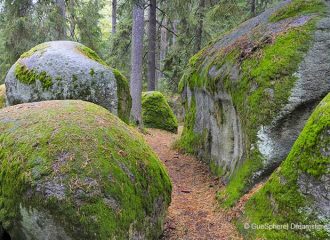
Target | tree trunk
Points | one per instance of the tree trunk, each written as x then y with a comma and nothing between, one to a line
62,22
253,7
152,46
136,62
114,16
72,19
163,46
199,32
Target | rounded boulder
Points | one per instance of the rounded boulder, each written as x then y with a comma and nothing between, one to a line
60,70
157,113
72,170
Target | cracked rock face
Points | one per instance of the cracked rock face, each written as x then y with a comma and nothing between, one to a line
62,70
72,170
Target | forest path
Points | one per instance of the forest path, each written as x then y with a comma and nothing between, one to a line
194,212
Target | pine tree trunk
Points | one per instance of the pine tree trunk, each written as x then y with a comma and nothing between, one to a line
136,62
253,7
72,19
199,32
152,46
114,16
163,46
62,22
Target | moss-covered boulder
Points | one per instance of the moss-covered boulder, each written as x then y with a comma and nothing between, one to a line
156,113
67,70
72,170
2,96
248,95
298,192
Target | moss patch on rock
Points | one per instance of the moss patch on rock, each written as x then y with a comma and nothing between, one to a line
76,161
91,54
266,65
156,112
124,98
30,76
299,8
280,201
2,96
39,48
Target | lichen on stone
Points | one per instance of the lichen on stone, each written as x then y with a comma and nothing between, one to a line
156,113
92,174
285,199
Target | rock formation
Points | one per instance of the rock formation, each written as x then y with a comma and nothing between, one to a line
67,70
71,170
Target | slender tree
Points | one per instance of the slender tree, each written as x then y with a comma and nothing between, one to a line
253,7
114,16
62,21
152,46
199,32
136,61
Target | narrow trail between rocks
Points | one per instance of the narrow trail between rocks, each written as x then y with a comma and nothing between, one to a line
194,212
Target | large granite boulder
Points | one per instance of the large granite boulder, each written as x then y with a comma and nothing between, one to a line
2,96
72,170
156,112
248,95
67,70
297,195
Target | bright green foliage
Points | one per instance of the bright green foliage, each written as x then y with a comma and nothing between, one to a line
2,96
124,98
299,8
264,85
280,201
156,113
30,76
74,141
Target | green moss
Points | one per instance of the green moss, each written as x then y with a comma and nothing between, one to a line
280,201
190,141
41,48
90,54
2,96
215,169
88,149
92,72
124,97
30,76
263,88
298,8
156,113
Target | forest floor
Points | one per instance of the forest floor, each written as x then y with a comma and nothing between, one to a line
194,212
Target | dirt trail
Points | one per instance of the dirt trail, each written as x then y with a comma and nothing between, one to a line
194,213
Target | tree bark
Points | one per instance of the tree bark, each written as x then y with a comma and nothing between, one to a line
62,22
199,32
114,16
163,46
136,62
253,7
72,19
152,46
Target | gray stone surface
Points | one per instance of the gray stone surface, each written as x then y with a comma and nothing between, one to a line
74,76
216,114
